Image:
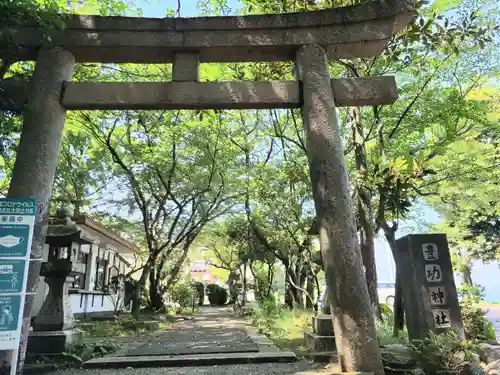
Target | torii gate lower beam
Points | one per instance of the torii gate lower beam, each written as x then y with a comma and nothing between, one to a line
348,92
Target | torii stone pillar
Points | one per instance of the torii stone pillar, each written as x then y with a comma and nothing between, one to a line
37,157
353,322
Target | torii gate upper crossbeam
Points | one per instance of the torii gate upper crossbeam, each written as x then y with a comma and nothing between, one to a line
346,32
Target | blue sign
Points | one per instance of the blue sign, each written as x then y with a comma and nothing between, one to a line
14,240
10,307
11,275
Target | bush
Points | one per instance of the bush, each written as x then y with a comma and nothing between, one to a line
385,328
93,350
217,295
476,325
199,289
445,352
385,310
284,326
181,294
269,306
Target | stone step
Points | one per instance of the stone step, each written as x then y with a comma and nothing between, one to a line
322,357
38,368
323,325
190,360
317,344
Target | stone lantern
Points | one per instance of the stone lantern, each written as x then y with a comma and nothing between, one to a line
53,325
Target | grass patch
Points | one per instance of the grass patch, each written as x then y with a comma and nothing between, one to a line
121,327
184,311
283,326
286,327
385,329
75,354
385,333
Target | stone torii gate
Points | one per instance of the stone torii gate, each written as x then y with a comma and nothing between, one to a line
310,39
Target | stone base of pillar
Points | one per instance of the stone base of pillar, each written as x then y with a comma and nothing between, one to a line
321,342
323,325
52,342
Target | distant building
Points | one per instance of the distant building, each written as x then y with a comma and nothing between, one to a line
200,270
94,267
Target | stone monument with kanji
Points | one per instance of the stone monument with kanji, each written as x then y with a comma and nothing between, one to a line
429,292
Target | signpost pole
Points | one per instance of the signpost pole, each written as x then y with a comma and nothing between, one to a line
17,220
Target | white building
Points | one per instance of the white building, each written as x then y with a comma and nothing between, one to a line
94,267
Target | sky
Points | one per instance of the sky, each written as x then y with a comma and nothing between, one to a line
189,8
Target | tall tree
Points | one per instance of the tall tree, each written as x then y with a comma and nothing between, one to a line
82,175
175,171
390,147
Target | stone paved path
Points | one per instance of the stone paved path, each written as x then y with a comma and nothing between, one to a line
214,336
213,330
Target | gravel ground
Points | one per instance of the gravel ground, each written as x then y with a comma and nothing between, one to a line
246,369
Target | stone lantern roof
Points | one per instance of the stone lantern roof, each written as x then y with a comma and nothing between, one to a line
62,230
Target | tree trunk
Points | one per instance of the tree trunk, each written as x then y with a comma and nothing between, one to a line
467,275
244,292
301,283
326,306
399,312
365,211
310,289
289,299
231,283
354,324
270,281
231,280
36,164
368,254
140,286
399,318
155,292
291,292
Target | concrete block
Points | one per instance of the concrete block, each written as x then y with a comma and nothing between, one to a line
316,343
323,325
52,342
